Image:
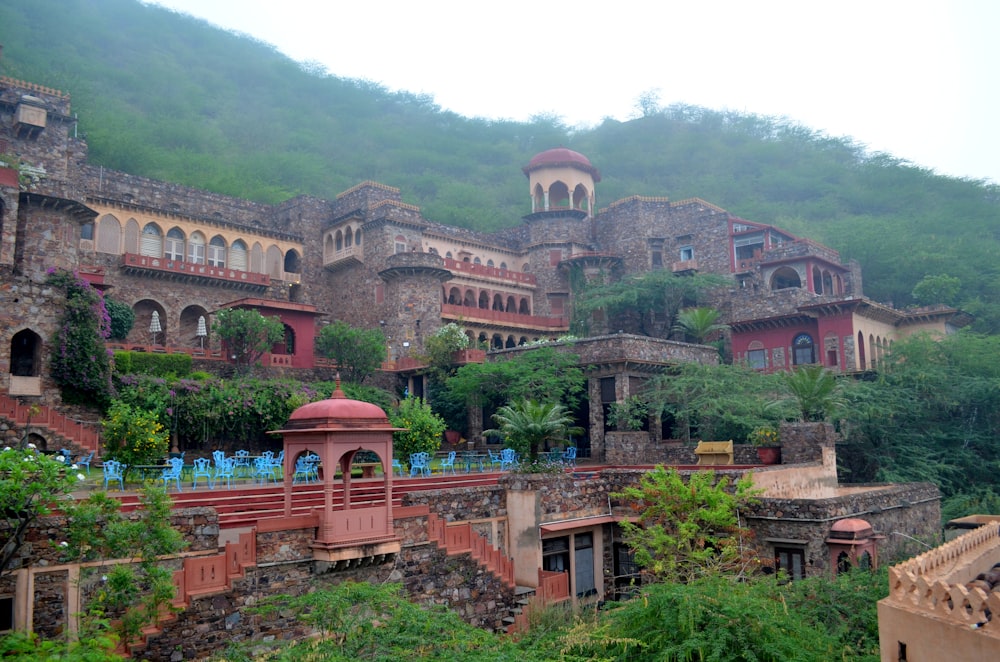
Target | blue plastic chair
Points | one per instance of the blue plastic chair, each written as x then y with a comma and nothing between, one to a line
448,462
67,456
85,461
226,470
397,466
494,459
569,457
203,467
420,463
508,459
242,458
173,472
114,471
263,469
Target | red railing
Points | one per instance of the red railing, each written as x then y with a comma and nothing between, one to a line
471,314
489,272
191,269
552,586
85,435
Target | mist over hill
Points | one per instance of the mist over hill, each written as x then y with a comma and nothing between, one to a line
169,96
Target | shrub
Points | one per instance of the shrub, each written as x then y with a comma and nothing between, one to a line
423,428
133,436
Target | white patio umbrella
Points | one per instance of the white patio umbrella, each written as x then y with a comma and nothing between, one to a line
202,330
154,325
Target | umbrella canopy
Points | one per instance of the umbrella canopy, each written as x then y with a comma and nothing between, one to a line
154,324
202,329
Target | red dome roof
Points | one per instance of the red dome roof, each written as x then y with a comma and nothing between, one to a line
560,156
338,411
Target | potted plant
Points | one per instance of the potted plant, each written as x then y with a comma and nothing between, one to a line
765,439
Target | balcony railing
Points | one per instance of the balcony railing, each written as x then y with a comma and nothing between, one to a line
189,270
484,271
482,315
344,257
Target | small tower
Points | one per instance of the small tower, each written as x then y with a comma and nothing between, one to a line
560,179
336,429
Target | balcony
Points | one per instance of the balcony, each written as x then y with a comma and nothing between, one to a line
684,266
483,271
188,272
345,257
499,318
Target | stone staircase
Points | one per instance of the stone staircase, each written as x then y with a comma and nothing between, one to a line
60,431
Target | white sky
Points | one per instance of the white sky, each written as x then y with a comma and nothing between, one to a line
915,78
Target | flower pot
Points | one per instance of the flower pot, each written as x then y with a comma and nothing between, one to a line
769,454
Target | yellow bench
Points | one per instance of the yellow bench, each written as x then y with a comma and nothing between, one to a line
714,452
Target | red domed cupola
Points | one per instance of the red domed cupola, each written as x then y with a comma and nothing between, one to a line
562,180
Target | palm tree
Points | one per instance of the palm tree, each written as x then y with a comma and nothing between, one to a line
529,425
698,323
814,391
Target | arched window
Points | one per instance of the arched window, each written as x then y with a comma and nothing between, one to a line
503,266
196,248
25,354
817,281
803,350
217,252
292,264
152,241
328,247
109,235
348,237
340,240
173,247
784,278
523,307
477,261
489,263
484,299
238,255
448,255
357,237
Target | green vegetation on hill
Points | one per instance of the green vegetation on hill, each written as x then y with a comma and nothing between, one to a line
168,96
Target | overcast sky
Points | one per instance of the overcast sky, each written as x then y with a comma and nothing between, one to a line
916,79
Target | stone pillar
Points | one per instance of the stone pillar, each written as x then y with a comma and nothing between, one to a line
804,442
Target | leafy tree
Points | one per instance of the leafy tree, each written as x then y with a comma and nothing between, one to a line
138,591
247,335
134,436
530,426
713,401
32,484
939,288
357,352
441,346
721,619
423,428
80,362
122,318
632,302
688,530
523,376
814,391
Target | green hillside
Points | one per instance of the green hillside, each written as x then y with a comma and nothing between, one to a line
168,96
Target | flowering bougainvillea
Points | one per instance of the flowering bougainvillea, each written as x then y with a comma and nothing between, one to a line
81,365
